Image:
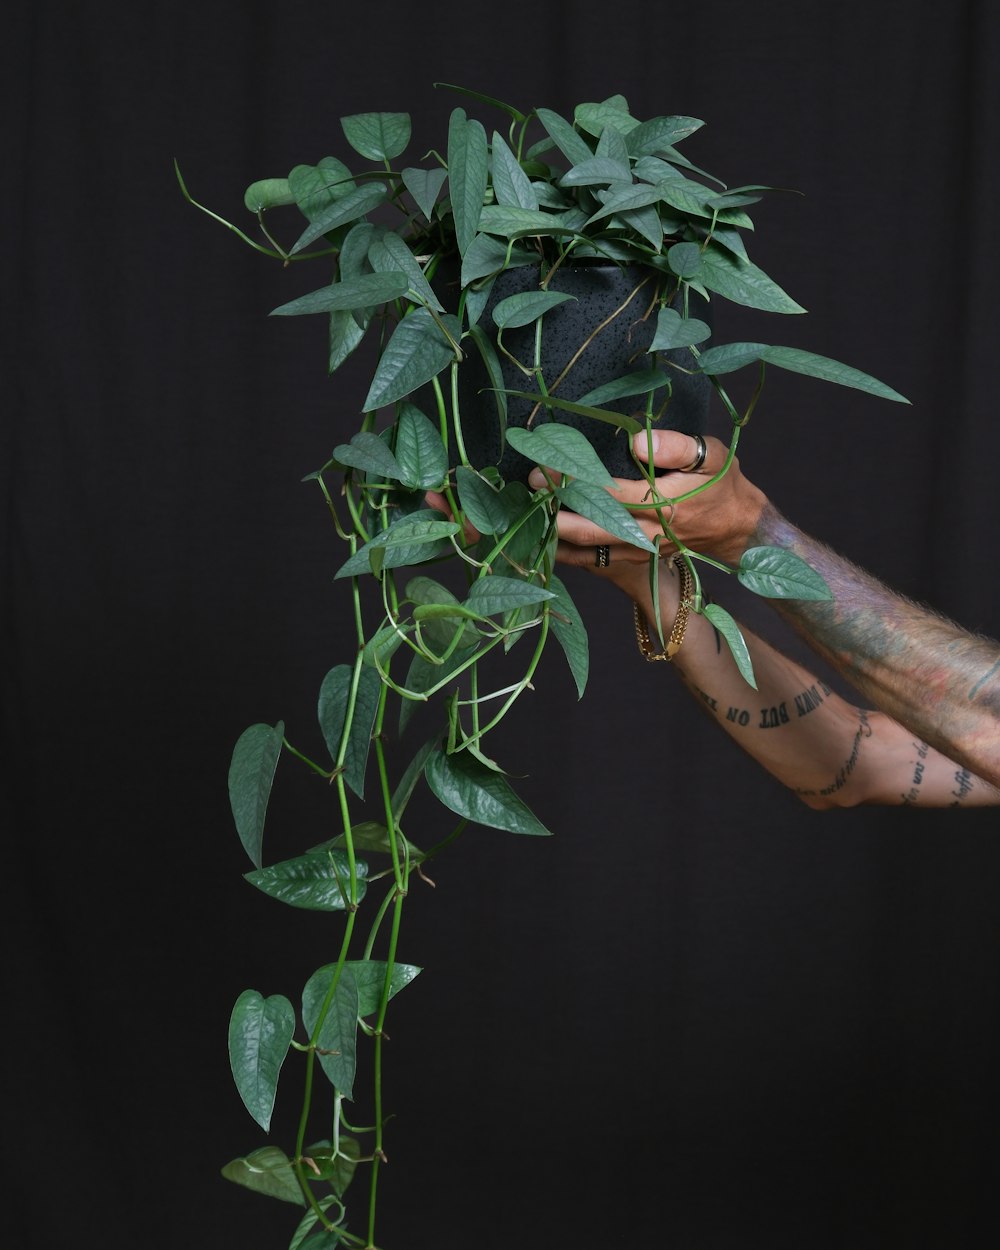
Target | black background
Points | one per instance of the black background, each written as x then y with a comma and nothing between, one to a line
700,1016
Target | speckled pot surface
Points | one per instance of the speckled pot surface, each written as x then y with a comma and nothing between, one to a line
616,349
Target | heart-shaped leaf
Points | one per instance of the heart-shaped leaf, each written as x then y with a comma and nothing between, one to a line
467,787
780,574
260,1031
251,775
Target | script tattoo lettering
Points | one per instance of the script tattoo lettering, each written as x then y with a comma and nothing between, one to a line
849,765
919,764
963,785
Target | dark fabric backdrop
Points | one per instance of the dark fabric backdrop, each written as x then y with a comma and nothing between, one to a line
700,1016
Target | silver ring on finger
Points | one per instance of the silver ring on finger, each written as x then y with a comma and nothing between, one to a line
699,459
602,557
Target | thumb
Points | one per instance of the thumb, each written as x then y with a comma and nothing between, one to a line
671,449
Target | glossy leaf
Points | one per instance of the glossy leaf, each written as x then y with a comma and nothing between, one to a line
526,307
417,351
342,212
338,1031
369,976
332,711
604,510
511,184
780,574
570,632
317,187
316,881
486,255
731,356
377,136
420,453
411,775
685,260
581,410
368,452
260,1031
345,336
468,174
654,137
489,510
267,1171
383,645
493,593
734,639
639,382
596,171
425,187
467,787
353,293
424,590
596,118
369,836
743,283
563,449
407,541
566,139
510,222
268,193
390,254
251,775
673,330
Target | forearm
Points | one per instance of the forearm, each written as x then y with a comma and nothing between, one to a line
828,751
923,670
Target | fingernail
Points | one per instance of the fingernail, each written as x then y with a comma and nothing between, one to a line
536,478
640,444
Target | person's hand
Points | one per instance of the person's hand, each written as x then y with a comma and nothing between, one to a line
719,521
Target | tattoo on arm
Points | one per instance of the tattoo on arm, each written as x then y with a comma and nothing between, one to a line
919,764
849,765
963,786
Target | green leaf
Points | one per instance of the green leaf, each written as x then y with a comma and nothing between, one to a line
743,283
369,975
417,351
658,135
268,193
510,222
468,173
487,351
490,511
731,356
389,254
493,593
425,187
570,632
563,449
251,775
562,134
423,675
730,631
368,452
511,184
639,382
305,1238
266,1171
485,256
581,410
260,1031
673,330
596,118
316,881
334,696
317,187
383,645
347,209
409,540
412,774
377,136
345,336
626,198
685,260
353,293
604,510
780,574
526,307
369,836
425,590
596,171
467,787
420,453
338,1034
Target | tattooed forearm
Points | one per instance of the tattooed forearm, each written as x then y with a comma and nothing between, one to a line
849,765
919,767
963,786
810,699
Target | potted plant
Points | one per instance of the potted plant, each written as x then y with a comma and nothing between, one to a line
486,283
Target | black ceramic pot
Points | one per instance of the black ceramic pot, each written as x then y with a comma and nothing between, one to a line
623,335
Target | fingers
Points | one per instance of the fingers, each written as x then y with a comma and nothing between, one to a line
673,451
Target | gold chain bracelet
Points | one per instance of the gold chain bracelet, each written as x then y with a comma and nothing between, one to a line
680,620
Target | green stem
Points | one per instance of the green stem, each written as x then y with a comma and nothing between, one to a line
378,1152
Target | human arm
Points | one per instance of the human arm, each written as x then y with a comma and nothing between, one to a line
828,751
927,673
